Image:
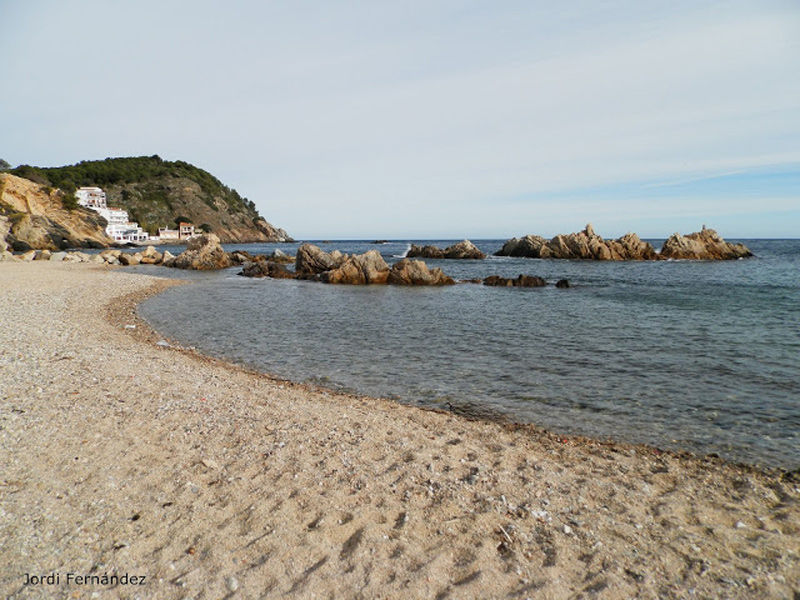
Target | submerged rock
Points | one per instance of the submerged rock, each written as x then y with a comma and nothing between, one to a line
706,244
266,268
416,272
521,281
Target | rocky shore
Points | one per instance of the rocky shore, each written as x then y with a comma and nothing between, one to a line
124,454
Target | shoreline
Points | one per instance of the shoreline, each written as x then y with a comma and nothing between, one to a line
207,476
128,306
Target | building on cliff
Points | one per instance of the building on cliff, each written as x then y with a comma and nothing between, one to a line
120,228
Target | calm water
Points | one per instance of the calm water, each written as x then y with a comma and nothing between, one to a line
700,356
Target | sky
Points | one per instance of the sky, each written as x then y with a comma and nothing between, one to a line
419,119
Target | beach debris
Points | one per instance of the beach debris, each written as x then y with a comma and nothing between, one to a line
162,343
505,533
232,583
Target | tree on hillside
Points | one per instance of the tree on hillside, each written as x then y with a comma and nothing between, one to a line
4,165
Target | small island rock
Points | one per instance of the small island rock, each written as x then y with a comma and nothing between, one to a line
706,244
465,250
585,245
416,272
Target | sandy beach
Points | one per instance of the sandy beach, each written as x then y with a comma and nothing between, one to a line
129,469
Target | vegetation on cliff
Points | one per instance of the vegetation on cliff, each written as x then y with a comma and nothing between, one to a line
155,192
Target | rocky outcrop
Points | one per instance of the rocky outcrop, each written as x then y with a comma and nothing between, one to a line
416,272
462,250
267,231
360,269
521,281
363,269
702,245
203,253
33,216
585,245
312,260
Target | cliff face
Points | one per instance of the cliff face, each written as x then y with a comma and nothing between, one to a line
157,193
33,216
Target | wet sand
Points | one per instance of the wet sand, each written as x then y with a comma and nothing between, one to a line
122,457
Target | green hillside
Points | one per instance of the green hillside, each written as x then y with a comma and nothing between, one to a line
157,192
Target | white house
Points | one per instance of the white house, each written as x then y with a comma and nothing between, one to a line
120,228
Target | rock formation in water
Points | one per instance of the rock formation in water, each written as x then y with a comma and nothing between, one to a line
702,245
465,250
588,245
416,272
203,252
312,260
521,281
583,245
35,216
262,267
359,269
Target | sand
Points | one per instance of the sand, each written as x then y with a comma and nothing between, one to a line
165,474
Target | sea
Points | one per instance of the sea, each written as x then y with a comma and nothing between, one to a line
698,356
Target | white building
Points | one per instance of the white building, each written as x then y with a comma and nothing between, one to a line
120,228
